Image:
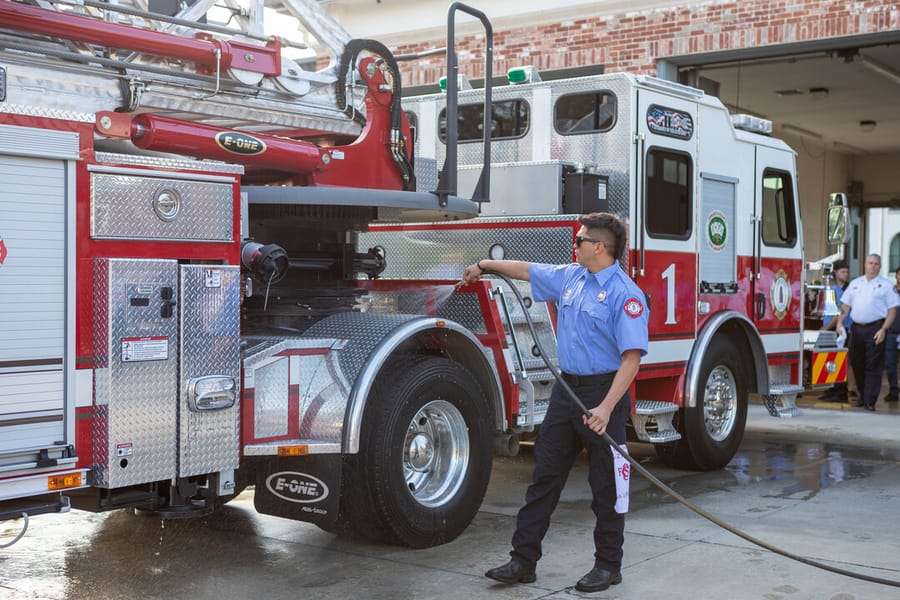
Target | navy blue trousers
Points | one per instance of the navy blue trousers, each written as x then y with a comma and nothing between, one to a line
561,438
867,360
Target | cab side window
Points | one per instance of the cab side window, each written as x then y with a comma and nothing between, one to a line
668,195
509,119
779,221
585,113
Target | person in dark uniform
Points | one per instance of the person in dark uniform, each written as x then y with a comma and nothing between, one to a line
602,335
890,350
841,270
873,302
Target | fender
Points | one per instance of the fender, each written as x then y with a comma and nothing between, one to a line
394,332
712,327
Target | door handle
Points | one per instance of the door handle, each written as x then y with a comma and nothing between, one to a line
760,306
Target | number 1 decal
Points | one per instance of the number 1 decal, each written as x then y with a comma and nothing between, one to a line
669,276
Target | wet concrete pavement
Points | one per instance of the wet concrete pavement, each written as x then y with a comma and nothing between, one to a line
823,485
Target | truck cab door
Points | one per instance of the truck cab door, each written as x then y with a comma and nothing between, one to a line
663,261
777,266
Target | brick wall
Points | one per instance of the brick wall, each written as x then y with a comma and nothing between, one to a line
633,42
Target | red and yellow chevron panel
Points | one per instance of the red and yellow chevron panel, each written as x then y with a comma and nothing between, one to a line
828,367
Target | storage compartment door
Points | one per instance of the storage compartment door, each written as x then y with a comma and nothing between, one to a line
32,309
208,434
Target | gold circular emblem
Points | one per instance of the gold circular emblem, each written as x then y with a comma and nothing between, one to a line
780,294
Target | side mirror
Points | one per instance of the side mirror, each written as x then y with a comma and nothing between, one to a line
838,219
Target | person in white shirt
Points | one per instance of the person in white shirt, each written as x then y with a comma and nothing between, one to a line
874,303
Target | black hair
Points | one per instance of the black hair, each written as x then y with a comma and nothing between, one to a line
612,225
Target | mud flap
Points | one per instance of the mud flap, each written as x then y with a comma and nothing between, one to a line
303,488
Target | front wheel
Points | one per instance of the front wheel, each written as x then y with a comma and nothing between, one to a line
712,430
425,454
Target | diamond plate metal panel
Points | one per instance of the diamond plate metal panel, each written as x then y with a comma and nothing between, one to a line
443,252
313,364
135,372
465,309
42,110
323,405
124,207
270,400
609,153
526,188
363,333
168,163
779,375
530,345
426,173
208,440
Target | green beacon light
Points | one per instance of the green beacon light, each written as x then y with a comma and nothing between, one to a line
526,74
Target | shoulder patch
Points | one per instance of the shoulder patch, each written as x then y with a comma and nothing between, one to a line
633,307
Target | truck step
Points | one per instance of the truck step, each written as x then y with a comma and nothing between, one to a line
652,421
537,374
36,505
781,400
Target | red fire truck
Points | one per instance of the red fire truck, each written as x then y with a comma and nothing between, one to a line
218,269
715,242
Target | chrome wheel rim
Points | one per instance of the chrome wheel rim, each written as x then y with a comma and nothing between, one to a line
720,403
435,453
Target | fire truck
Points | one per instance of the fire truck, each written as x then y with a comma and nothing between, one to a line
221,267
716,243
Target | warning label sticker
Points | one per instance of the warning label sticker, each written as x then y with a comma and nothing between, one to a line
126,449
213,278
145,348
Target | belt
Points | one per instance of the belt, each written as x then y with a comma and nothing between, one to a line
581,380
879,322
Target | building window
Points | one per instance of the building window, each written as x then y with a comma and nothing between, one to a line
894,259
585,113
509,119
779,221
668,201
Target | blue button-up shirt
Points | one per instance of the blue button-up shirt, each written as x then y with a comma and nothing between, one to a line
600,315
848,320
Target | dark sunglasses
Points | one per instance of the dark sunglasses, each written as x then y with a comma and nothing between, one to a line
580,238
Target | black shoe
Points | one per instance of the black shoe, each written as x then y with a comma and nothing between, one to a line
597,580
841,399
891,398
859,404
869,407
512,572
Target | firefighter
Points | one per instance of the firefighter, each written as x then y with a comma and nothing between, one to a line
873,303
841,270
602,331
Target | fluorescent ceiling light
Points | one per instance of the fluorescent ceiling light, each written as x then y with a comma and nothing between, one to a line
847,148
881,69
794,130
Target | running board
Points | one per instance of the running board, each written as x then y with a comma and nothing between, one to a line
787,395
652,421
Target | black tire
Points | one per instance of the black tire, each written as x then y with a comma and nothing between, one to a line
712,431
425,498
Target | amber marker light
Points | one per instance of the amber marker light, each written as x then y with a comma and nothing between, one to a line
62,482
301,450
